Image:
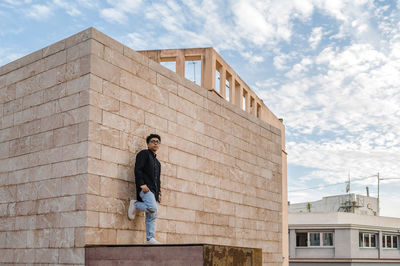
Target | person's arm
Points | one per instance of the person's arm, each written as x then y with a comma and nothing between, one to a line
159,185
140,171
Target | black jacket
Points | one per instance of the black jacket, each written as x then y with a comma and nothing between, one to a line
144,173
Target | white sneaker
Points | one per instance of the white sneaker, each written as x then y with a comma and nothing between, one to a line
152,241
132,210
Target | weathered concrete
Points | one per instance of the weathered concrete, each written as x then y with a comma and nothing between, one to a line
193,255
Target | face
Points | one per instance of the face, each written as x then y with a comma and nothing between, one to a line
154,145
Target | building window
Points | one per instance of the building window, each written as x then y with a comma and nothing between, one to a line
313,239
301,240
389,241
227,89
258,110
193,71
327,239
171,65
367,240
217,81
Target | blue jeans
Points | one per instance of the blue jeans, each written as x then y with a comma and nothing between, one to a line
149,203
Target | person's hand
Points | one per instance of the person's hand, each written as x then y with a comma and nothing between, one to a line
144,188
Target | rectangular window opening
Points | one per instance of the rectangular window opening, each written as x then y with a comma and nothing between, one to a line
218,68
258,110
244,105
237,93
367,240
301,240
227,88
313,239
389,241
171,65
251,104
193,71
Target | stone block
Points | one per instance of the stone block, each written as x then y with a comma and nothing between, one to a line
118,59
17,239
103,102
75,151
79,50
77,68
79,84
66,135
53,48
11,107
78,38
41,141
177,214
76,116
61,238
114,155
52,122
100,236
32,99
105,70
68,102
103,168
55,60
71,256
167,84
132,113
107,220
46,256
73,219
155,122
24,116
185,107
48,188
135,56
26,223
25,256
116,121
181,158
74,185
52,77
191,202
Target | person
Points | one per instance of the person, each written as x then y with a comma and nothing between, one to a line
148,186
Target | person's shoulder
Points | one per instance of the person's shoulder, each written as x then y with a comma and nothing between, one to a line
142,152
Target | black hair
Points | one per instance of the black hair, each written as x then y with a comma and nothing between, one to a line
149,137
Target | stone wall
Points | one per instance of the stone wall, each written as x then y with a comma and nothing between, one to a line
44,107
68,144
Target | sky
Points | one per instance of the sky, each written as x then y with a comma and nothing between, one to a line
330,69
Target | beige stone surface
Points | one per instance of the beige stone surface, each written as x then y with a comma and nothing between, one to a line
73,117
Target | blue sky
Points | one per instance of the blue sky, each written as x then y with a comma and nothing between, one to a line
330,69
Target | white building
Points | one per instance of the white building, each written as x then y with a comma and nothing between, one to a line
337,238
358,204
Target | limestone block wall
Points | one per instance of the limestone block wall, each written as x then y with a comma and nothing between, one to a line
44,113
74,116
221,167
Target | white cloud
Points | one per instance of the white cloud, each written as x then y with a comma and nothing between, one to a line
39,12
315,37
252,58
113,15
137,41
69,7
119,11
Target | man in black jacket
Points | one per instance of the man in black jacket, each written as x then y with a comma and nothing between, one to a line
147,178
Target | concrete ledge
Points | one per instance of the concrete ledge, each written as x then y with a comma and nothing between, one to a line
188,254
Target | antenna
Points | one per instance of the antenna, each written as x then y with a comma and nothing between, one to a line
194,71
348,184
